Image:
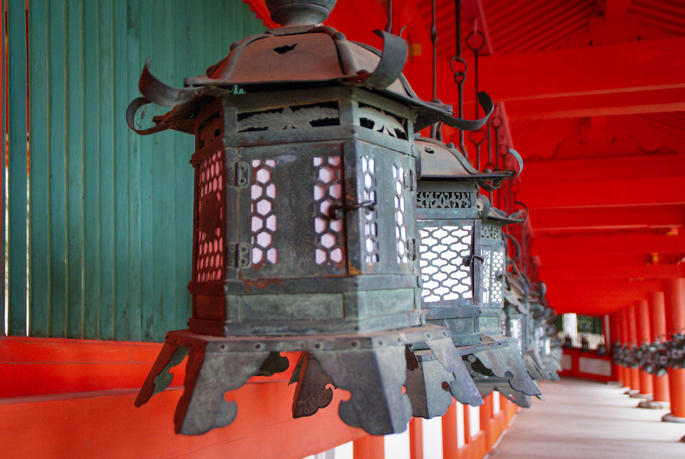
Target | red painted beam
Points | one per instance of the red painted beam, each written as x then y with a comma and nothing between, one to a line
626,69
593,273
616,218
609,286
582,259
604,193
607,244
595,307
597,169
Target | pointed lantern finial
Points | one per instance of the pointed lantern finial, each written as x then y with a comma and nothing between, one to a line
299,12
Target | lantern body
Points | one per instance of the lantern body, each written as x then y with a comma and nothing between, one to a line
451,281
492,248
304,217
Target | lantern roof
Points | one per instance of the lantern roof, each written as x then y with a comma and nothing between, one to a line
297,56
515,292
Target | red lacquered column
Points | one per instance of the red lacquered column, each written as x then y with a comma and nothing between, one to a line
644,334
658,312
676,377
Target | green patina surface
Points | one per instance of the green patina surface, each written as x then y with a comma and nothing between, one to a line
110,214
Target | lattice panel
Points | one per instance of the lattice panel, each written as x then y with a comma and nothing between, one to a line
443,251
382,122
370,217
210,260
400,224
443,200
264,221
328,192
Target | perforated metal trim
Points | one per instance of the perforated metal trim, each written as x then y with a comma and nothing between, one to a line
400,224
382,122
493,268
264,221
328,192
296,117
370,217
211,247
491,232
444,275
443,200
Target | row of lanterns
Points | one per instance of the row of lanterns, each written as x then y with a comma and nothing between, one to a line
324,224
654,358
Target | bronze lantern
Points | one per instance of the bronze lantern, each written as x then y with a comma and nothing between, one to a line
305,233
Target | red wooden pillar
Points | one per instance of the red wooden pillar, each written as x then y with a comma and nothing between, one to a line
486,419
450,443
369,447
644,333
676,377
658,311
616,370
416,435
630,335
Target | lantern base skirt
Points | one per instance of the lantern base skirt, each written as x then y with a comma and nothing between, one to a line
499,358
488,385
373,367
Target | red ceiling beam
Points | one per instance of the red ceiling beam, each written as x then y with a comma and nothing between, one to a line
611,192
590,307
594,273
608,286
587,245
626,69
616,218
589,169
579,258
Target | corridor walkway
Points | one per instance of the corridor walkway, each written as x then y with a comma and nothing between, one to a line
589,420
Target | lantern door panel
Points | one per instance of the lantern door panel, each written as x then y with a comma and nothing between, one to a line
287,212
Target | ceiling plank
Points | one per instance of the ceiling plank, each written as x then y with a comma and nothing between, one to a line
616,218
594,273
607,244
603,193
588,71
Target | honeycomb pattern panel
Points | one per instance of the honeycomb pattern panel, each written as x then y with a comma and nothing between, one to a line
443,272
491,232
264,221
370,217
328,193
400,224
210,258
493,268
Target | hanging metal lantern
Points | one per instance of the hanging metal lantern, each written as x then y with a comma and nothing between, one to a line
452,256
305,234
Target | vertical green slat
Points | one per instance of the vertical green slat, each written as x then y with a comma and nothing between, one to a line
148,145
16,14
3,177
57,160
92,23
133,34
162,184
107,174
39,171
75,157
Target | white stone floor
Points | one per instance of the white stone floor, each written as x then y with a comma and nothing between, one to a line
584,419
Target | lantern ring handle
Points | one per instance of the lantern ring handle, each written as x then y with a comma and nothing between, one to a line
336,211
131,111
468,261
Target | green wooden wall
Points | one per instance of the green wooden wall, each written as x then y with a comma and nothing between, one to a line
110,212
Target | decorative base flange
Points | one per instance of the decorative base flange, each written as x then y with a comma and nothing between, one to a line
372,367
670,418
497,358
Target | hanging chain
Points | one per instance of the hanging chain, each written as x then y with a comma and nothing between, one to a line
436,129
459,75
472,46
388,28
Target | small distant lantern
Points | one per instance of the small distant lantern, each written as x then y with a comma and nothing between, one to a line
305,230
452,259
